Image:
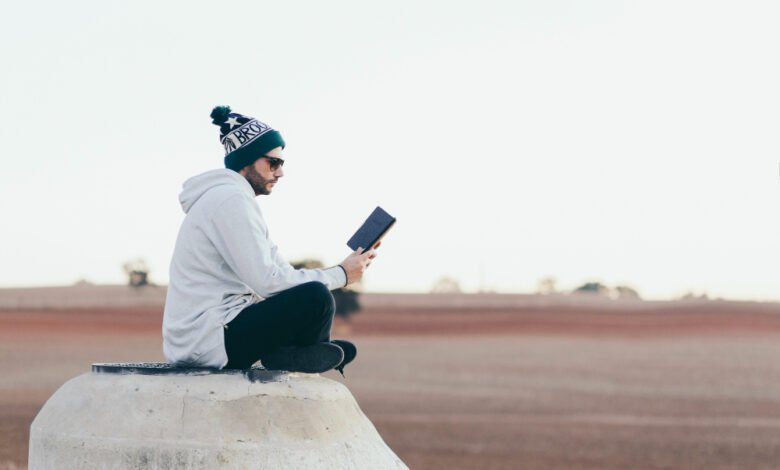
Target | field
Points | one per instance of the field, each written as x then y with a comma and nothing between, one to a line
678,385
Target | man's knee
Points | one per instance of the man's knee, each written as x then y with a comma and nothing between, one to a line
319,297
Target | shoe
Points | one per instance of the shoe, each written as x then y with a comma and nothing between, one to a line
350,352
320,357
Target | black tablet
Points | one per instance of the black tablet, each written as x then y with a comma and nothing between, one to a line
372,230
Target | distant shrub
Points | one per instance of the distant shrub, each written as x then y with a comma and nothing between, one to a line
546,286
618,292
625,292
137,272
593,288
446,285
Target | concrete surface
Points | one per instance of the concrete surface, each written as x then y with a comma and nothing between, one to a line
119,421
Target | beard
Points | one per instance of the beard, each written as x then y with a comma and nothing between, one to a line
258,183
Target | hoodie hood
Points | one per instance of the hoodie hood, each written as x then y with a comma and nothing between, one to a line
195,187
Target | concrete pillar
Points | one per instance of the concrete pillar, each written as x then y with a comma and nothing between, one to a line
134,416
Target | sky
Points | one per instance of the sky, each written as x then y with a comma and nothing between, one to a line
623,142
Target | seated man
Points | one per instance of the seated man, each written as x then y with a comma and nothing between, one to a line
232,298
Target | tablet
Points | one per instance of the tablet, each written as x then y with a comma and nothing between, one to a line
372,230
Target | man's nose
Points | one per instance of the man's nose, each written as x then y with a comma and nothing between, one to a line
279,172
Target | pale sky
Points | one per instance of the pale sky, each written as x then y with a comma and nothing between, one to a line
625,142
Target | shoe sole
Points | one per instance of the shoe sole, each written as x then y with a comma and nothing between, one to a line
314,359
350,350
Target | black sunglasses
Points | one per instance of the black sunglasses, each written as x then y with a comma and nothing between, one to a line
274,162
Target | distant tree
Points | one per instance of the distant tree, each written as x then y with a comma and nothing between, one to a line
694,296
625,292
308,263
446,285
347,302
137,272
546,285
592,288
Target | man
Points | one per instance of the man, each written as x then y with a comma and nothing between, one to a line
232,298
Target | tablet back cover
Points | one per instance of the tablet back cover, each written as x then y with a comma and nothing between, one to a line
372,229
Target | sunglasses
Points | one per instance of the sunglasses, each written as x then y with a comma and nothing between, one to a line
274,162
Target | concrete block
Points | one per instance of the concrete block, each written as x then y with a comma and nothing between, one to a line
170,418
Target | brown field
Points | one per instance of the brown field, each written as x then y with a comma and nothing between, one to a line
672,386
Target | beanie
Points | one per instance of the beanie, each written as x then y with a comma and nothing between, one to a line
245,138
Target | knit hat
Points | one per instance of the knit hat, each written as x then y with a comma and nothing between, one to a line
245,138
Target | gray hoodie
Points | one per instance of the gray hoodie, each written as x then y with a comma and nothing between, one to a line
223,262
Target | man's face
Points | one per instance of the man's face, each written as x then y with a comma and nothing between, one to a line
262,175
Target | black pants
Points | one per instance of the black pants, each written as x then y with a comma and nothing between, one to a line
299,316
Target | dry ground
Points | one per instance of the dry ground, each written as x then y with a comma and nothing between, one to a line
682,387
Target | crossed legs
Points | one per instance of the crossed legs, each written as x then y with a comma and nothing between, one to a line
300,316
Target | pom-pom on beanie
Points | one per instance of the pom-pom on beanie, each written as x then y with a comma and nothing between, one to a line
245,138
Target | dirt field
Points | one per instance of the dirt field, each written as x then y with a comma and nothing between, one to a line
680,387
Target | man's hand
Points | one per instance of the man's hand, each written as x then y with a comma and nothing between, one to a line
356,263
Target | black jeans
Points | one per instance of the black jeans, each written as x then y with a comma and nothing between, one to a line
299,316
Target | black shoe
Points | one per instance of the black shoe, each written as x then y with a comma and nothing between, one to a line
312,359
350,352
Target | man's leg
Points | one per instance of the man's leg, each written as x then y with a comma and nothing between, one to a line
300,316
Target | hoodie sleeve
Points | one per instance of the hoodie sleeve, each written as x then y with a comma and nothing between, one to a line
240,235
